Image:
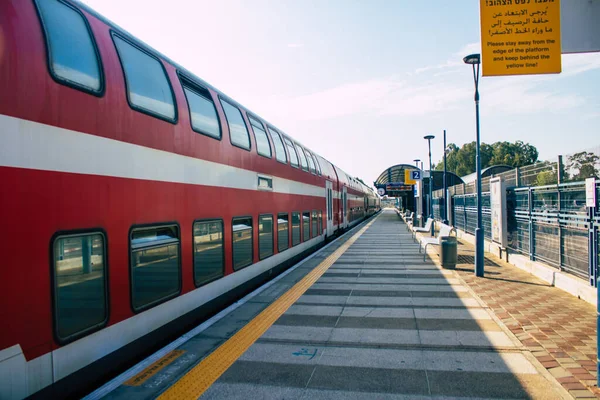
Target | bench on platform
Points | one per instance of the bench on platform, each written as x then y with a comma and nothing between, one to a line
408,217
445,230
426,228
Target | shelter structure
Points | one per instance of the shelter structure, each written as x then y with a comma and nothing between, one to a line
489,171
393,182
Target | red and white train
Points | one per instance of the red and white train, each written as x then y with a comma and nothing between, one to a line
136,199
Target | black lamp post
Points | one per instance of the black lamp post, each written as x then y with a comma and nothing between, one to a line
475,61
428,138
445,216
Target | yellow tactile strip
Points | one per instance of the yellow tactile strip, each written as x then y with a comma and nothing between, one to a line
202,376
154,368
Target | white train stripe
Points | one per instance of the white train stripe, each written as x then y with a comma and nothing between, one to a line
31,145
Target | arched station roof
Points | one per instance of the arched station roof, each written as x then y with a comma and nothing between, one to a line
485,172
394,174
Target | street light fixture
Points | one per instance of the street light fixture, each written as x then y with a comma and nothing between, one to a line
475,61
445,216
428,138
416,162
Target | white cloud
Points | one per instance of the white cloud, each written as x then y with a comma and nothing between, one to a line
573,64
295,45
440,92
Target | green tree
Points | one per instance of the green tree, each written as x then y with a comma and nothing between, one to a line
516,154
461,160
546,178
582,165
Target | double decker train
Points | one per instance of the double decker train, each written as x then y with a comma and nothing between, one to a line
136,199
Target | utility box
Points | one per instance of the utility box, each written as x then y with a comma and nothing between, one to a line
449,251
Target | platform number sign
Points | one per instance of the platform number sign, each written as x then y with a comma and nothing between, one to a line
415,175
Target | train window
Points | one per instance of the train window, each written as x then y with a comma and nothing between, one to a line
208,251
80,284
292,153
237,127
242,242
203,114
311,164
313,221
305,226
295,228
303,161
262,141
72,54
320,224
155,265
283,232
279,148
265,236
317,166
148,88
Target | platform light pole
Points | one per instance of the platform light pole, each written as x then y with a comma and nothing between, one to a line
445,217
475,61
428,138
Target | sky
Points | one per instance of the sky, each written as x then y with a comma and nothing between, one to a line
362,82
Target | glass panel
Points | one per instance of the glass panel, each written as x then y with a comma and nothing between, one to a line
242,242
208,251
237,127
203,114
317,165
311,164
313,220
262,142
72,53
155,273
292,152
305,226
320,222
279,149
80,283
302,158
147,85
265,236
283,232
265,183
295,228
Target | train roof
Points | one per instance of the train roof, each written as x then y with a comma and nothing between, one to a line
187,73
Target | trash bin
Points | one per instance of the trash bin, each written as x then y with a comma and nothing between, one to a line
449,251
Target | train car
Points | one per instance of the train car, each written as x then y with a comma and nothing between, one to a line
136,199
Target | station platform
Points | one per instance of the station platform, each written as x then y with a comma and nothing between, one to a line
363,318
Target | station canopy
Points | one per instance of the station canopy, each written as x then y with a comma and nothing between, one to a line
392,180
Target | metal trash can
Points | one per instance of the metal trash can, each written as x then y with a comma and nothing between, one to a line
449,251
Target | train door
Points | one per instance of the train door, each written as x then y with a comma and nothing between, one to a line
345,207
329,193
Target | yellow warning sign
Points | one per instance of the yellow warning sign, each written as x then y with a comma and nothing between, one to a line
408,180
520,37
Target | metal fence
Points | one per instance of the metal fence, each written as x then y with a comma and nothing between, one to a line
546,222
551,224
464,215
